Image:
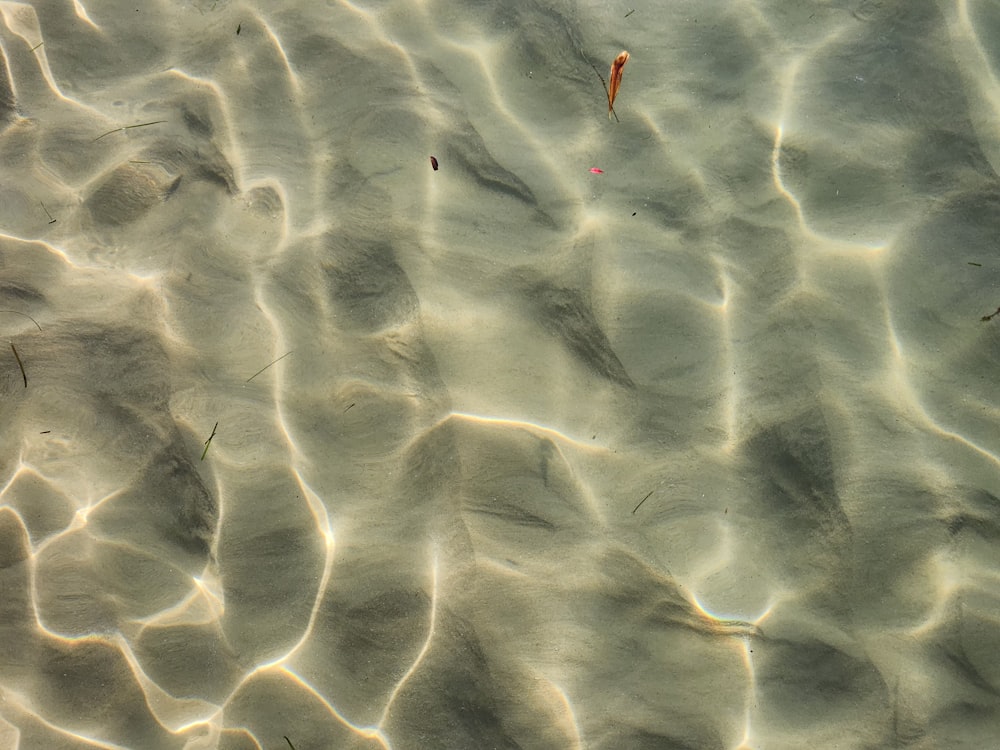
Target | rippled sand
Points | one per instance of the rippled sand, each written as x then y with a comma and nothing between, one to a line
313,441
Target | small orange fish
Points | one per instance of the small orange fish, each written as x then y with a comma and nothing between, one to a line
615,82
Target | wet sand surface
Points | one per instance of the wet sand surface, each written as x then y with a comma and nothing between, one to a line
302,438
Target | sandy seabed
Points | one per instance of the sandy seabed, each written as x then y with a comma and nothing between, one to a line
301,438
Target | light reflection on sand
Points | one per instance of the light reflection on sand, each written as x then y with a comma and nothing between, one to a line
696,451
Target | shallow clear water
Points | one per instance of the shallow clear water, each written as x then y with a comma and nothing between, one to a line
303,438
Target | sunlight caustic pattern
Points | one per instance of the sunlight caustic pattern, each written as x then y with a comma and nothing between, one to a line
677,431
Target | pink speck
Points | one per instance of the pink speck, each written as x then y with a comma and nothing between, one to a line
595,170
